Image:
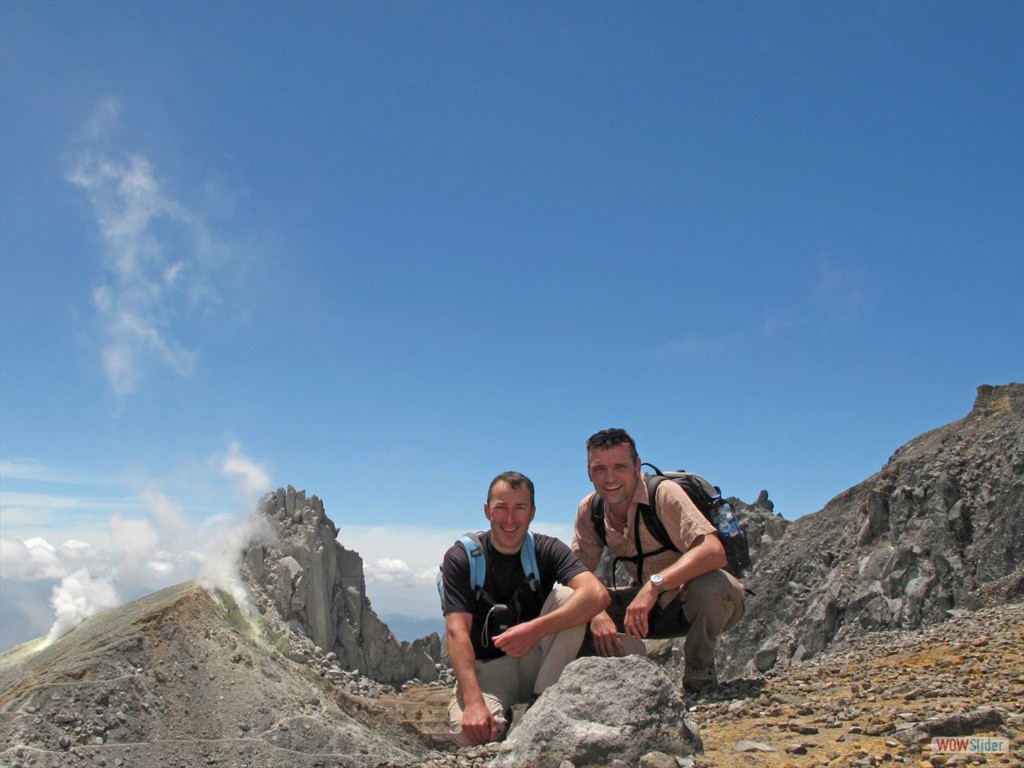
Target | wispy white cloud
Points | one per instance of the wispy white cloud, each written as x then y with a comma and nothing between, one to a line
32,469
168,515
840,292
50,501
400,564
39,511
29,560
136,542
692,344
159,259
776,326
103,119
390,569
832,295
22,469
252,478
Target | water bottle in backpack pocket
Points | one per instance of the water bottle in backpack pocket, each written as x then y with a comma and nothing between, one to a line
734,540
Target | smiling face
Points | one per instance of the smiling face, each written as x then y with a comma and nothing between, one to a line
614,471
510,511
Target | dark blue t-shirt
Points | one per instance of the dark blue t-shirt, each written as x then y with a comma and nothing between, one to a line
505,583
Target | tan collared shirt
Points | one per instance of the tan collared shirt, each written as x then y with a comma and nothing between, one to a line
682,520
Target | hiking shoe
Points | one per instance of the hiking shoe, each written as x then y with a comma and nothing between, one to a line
699,679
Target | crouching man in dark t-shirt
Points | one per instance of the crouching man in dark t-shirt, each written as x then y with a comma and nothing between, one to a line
513,642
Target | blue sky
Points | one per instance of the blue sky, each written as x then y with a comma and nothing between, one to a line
384,251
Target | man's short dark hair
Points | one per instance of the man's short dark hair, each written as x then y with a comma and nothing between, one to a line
515,480
609,438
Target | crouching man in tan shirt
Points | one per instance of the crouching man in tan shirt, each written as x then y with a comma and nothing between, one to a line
674,593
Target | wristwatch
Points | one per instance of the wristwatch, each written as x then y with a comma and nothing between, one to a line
659,582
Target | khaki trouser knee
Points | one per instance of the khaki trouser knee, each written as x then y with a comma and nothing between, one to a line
506,681
712,604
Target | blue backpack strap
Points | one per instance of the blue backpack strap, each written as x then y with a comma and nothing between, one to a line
477,562
478,565
528,555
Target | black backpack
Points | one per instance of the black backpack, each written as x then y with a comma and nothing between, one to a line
705,496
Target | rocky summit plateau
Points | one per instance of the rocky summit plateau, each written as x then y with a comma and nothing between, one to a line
891,617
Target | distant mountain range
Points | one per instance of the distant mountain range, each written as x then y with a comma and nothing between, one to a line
409,628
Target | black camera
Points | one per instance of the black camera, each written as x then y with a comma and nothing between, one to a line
498,619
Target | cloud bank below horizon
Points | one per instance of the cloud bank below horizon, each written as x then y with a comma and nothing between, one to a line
140,552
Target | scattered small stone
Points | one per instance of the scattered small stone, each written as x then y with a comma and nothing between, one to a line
745,745
653,760
804,730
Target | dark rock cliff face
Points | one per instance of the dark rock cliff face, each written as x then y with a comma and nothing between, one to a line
308,579
941,526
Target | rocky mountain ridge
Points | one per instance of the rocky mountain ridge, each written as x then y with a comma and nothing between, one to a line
186,678
302,577
180,680
939,526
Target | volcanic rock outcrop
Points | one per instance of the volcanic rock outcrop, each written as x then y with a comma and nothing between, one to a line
603,711
305,577
941,526
180,679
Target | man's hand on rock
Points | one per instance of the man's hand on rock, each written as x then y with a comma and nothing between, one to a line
478,724
635,621
606,636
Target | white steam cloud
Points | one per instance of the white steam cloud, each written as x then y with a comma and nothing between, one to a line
146,552
221,568
78,597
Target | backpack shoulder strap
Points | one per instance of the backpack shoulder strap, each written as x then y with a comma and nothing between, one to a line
528,555
650,513
474,547
650,516
477,562
597,518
